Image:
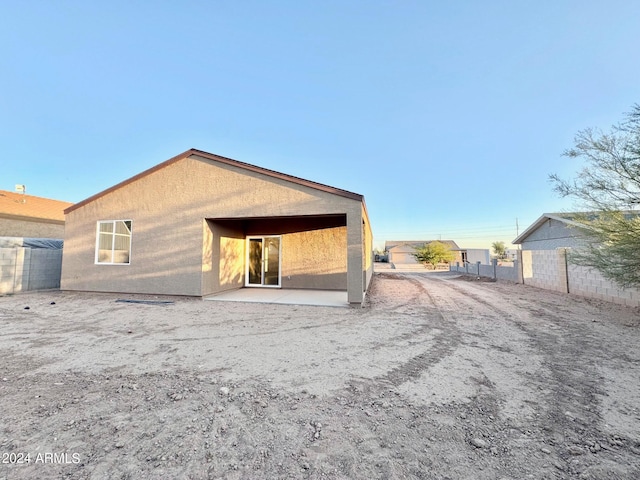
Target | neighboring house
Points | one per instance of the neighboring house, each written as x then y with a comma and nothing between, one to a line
543,260
511,253
551,231
31,232
28,216
401,254
200,224
402,251
475,255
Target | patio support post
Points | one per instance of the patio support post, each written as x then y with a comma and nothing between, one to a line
355,265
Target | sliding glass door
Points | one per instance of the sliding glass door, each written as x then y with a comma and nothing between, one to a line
263,261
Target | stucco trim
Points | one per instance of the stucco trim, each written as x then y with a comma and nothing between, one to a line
227,161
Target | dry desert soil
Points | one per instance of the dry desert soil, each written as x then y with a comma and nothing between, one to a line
438,377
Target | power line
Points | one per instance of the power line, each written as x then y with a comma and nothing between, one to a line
450,233
454,229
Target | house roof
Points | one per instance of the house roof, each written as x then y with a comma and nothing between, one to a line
228,161
30,207
391,244
566,218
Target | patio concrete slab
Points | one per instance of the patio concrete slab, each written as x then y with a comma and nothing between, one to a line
323,298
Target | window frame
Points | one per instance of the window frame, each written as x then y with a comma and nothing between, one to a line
113,237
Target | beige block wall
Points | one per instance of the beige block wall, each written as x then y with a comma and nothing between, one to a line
11,227
545,269
12,266
588,282
168,207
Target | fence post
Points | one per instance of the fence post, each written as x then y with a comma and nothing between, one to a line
517,264
466,267
26,269
478,264
15,269
563,267
19,270
495,268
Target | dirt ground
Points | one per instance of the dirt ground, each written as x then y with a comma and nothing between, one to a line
438,377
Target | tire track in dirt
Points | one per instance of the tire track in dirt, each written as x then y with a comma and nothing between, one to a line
554,348
571,420
475,422
421,406
443,344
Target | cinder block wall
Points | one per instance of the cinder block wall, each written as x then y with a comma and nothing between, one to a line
590,283
8,270
45,267
507,273
548,269
24,269
501,273
545,269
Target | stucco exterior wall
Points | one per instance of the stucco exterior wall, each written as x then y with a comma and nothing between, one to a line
315,259
367,248
403,255
475,255
169,240
223,248
12,227
355,259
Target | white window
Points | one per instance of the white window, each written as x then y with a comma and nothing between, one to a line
113,243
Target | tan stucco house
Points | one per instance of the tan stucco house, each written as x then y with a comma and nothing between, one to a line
200,224
401,252
23,215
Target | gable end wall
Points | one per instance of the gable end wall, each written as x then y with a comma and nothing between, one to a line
168,208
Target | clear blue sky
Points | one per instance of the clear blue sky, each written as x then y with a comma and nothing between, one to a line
447,116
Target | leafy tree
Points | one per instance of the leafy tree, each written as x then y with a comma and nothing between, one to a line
434,253
499,249
608,188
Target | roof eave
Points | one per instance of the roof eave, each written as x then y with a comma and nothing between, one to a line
24,218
